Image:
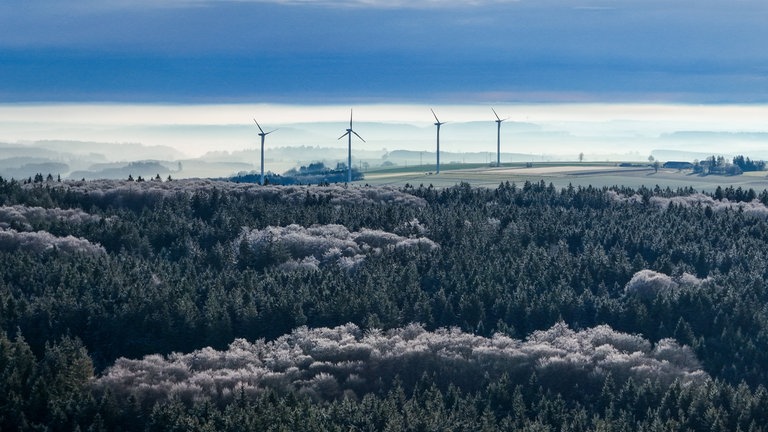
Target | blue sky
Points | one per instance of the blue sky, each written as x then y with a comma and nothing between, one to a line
377,51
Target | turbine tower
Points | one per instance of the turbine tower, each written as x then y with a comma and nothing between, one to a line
438,123
349,148
498,137
262,134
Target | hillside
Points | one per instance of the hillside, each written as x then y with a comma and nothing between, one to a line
200,305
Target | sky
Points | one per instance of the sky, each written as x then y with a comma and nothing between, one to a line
118,70
364,51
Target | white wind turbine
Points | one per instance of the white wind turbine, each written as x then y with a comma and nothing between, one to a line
349,148
262,134
498,136
438,123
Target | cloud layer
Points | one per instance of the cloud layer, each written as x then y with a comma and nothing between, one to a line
329,363
347,50
384,4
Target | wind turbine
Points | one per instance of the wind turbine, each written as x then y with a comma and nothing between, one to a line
498,136
438,123
262,134
349,148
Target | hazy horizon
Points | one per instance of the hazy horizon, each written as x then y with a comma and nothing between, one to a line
546,129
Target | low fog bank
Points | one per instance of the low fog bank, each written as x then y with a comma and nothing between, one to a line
200,150
85,159
345,361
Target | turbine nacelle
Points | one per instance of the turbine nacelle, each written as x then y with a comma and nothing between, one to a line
350,131
498,119
438,123
261,131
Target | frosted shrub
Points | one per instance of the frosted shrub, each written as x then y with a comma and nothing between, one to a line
327,363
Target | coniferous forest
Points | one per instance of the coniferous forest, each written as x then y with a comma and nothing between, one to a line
202,305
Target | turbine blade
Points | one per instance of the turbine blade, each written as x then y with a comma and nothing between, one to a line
257,124
347,133
497,116
271,131
433,113
356,134
350,118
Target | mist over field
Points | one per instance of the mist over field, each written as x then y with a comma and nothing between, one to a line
113,141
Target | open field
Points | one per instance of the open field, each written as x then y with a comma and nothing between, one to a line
561,175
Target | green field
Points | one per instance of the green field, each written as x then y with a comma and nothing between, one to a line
560,175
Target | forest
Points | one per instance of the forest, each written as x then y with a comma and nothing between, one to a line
222,306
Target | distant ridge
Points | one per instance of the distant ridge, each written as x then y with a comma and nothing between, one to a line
762,136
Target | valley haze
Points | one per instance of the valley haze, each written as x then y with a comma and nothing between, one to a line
100,140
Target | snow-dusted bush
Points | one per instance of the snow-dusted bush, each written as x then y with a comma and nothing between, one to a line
294,246
647,283
25,218
118,192
41,241
687,279
327,363
753,208
412,228
617,197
